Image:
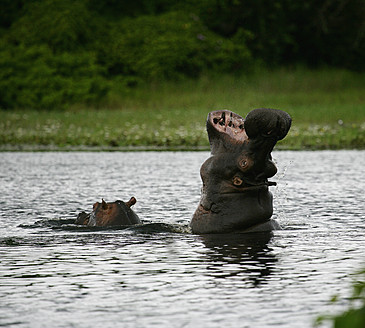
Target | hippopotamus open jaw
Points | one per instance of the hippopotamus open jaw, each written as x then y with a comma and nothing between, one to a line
104,214
235,194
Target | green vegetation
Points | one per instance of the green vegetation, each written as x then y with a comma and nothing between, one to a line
59,53
145,73
354,316
327,106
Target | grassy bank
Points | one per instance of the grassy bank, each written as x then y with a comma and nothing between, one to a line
327,107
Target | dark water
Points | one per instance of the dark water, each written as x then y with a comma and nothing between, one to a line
160,275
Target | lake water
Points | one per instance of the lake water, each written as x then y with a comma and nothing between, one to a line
54,274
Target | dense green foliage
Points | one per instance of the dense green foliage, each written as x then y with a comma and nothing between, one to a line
354,316
169,46
57,53
51,80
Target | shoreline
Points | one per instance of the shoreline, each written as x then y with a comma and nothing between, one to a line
84,148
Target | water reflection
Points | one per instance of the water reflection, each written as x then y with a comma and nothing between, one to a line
246,256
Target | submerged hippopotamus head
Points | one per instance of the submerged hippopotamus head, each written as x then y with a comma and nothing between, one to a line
235,194
104,214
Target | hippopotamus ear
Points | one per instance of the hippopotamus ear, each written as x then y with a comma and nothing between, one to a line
267,122
131,202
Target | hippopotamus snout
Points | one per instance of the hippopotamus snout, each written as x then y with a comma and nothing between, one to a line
264,128
267,123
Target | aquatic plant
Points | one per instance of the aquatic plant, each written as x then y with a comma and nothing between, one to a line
354,316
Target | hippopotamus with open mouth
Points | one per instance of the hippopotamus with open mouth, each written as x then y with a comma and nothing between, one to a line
105,214
235,194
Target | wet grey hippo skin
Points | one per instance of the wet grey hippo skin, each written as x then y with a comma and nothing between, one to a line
104,214
235,194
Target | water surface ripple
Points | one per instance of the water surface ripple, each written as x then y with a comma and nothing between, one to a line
160,275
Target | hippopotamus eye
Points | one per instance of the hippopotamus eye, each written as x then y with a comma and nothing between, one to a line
243,163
